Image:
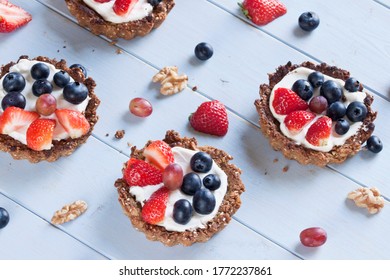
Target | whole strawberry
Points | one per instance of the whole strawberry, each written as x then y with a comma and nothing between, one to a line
210,118
261,12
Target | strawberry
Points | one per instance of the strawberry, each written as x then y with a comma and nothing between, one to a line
140,173
261,12
296,120
159,154
211,118
286,101
319,131
12,17
122,7
40,134
74,122
153,210
16,119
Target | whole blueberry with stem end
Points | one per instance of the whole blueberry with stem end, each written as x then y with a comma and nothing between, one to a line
14,81
81,67
75,92
341,127
331,90
303,88
336,110
204,51
308,21
201,162
356,111
41,86
316,79
352,84
61,78
13,99
374,144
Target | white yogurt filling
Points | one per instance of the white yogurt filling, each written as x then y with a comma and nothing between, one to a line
140,10
24,67
334,139
182,157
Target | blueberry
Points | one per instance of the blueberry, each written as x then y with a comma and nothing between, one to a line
61,78
182,211
75,92
316,79
212,182
191,183
341,127
308,21
374,144
4,217
352,85
14,81
40,71
15,99
331,91
303,88
201,162
81,67
204,51
356,111
204,201
336,110
41,87
154,2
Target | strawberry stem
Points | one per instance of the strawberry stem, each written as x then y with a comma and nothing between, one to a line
244,11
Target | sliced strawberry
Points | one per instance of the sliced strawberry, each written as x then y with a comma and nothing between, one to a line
153,210
319,132
296,120
122,7
140,173
159,154
12,17
74,122
40,134
16,119
286,101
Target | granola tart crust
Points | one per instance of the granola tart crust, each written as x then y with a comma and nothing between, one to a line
279,142
63,147
230,204
90,19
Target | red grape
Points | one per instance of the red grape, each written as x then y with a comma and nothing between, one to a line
46,104
173,176
313,237
140,107
318,104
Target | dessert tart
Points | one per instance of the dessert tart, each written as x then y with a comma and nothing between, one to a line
179,205
120,18
47,109
315,113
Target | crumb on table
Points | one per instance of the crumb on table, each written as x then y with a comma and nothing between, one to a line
119,134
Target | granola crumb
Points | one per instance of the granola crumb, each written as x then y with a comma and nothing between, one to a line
107,134
119,134
276,160
285,169
118,51
195,88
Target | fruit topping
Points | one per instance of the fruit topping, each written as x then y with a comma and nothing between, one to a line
318,104
261,12
319,132
374,144
61,78
212,182
40,71
46,104
154,2
159,154
39,134
15,99
16,119
313,237
296,120
191,183
140,173
75,92
140,107
286,101
331,90
153,211
12,17
74,122
308,21
14,81
211,118
122,7
316,79
204,201
173,176
352,85
341,127
201,162
336,110
4,218
356,111
303,88
204,51
182,211
41,86
81,67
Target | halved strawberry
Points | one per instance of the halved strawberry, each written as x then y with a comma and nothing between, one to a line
319,132
16,119
159,154
296,120
122,7
153,210
140,173
286,101
40,134
74,122
12,16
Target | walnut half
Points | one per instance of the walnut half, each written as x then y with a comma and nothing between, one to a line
368,198
171,82
69,212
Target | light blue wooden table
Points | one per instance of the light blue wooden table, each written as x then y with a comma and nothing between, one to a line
277,205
